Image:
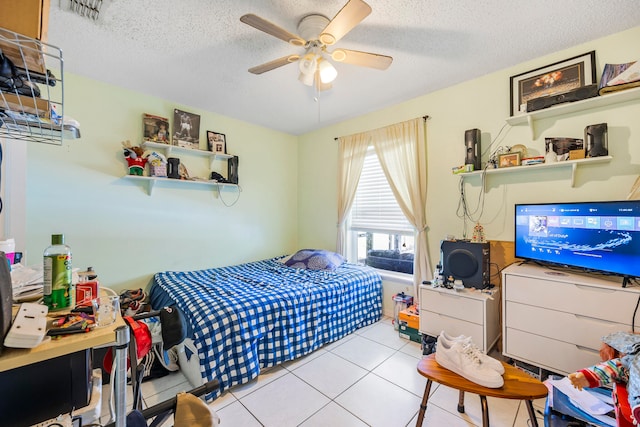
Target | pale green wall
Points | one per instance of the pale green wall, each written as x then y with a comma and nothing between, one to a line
289,197
482,103
125,234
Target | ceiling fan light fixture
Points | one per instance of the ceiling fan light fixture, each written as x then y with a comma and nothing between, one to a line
308,64
328,72
306,79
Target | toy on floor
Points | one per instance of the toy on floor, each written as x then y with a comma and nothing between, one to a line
135,158
621,366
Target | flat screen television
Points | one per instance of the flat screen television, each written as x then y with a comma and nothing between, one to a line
600,236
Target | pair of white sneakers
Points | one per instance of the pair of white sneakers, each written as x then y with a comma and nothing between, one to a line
460,355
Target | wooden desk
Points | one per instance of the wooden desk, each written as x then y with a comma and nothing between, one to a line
517,385
116,334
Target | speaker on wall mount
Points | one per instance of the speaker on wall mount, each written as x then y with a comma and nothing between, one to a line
595,140
472,148
232,169
466,261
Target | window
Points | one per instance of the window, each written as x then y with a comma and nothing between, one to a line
379,233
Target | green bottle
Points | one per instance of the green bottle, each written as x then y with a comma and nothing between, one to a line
58,289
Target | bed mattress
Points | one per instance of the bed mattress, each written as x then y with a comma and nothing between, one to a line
257,315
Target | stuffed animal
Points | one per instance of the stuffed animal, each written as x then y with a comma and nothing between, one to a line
135,158
621,365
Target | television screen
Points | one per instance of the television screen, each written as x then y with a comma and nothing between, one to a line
603,236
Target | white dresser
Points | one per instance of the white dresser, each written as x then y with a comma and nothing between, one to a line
555,319
466,312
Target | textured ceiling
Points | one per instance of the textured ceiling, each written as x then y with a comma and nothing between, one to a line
197,52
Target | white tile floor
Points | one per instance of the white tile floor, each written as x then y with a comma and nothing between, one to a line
368,378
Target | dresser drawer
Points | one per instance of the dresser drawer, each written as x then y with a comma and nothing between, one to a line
433,323
459,306
608,303
556,356
571,328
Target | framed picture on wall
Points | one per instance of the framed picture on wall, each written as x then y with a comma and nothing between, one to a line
553,79
186,129
216,142
155,129
509,159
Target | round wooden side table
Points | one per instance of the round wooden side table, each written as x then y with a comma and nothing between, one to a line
517,385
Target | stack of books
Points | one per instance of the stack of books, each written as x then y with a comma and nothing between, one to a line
617,77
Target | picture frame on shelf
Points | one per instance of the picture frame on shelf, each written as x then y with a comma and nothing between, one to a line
509,160
553,79
155,129
216,142
186,129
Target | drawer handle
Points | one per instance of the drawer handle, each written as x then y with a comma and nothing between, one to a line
587,349
447,294
594,289
593,319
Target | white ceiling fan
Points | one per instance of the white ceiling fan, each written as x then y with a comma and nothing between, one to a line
316,34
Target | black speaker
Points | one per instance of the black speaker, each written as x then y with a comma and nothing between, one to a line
472,145
466,261
595,139
232,166
173,168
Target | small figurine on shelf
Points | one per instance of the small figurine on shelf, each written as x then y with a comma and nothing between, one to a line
478,234
157,164
135,158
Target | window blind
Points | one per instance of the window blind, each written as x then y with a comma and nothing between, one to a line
375,208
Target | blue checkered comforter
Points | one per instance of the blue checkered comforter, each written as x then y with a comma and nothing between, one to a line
263,313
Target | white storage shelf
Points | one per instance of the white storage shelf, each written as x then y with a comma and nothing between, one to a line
573,107
28,117
572,164
151,181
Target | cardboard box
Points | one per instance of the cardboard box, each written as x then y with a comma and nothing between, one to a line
409,317
28,17
409,333
576,154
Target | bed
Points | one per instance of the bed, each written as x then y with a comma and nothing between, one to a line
256,315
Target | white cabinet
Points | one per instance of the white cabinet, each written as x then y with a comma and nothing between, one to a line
556,319
466,312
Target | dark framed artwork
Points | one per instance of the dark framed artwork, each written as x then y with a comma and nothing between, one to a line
186,129
552,79
216,142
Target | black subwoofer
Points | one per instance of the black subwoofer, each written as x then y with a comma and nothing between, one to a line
466,261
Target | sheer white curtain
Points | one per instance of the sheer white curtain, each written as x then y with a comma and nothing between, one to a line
402,151
352,151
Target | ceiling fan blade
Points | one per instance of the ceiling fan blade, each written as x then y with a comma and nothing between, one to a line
349,16
272,29
271,65
363,59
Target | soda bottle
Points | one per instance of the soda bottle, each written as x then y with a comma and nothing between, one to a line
58,288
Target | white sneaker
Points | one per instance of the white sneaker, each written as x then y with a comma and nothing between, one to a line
488,361
460,357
